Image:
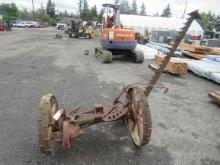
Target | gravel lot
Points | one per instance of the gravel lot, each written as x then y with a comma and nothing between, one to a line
186,123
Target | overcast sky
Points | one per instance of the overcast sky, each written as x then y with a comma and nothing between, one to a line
152,6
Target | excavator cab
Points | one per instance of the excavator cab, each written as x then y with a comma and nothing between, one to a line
112,16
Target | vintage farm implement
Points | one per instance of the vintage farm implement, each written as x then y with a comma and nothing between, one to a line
131,105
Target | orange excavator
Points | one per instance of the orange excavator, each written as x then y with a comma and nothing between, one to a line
116,40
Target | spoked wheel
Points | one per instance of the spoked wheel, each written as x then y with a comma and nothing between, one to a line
138,118
46,124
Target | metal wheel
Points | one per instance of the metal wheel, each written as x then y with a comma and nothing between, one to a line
46,124
138,118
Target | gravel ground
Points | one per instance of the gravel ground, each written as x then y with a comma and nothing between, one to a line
32,63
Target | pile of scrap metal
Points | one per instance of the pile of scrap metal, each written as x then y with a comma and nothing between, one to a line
215,96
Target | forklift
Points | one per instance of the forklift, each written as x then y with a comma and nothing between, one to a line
78,30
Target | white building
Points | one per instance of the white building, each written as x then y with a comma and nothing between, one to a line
150,23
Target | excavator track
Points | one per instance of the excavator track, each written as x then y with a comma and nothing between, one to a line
138,56
103,55
48,107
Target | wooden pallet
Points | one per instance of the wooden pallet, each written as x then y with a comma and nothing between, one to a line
174,66
194,55
215,95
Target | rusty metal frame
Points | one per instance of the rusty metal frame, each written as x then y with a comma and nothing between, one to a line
135,111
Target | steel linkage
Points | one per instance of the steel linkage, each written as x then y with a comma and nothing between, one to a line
131,105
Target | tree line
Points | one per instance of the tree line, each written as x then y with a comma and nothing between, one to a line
11,12
132,8
48,13
91,14
209,21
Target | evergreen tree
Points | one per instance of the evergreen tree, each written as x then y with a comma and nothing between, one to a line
9,11
85,10
51,9
125,8
80,5
208,21
156,14
117,2
25,14
65,13
143,9
167,12
134,7
71,14
61,14
100,15
217,23
94,12
41,15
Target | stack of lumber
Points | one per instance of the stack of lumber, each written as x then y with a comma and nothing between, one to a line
215,51
174,66
194,55
215,95
196,51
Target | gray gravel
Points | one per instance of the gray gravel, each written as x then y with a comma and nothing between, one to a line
32,63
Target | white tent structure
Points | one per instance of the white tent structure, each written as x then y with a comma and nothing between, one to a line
143,23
